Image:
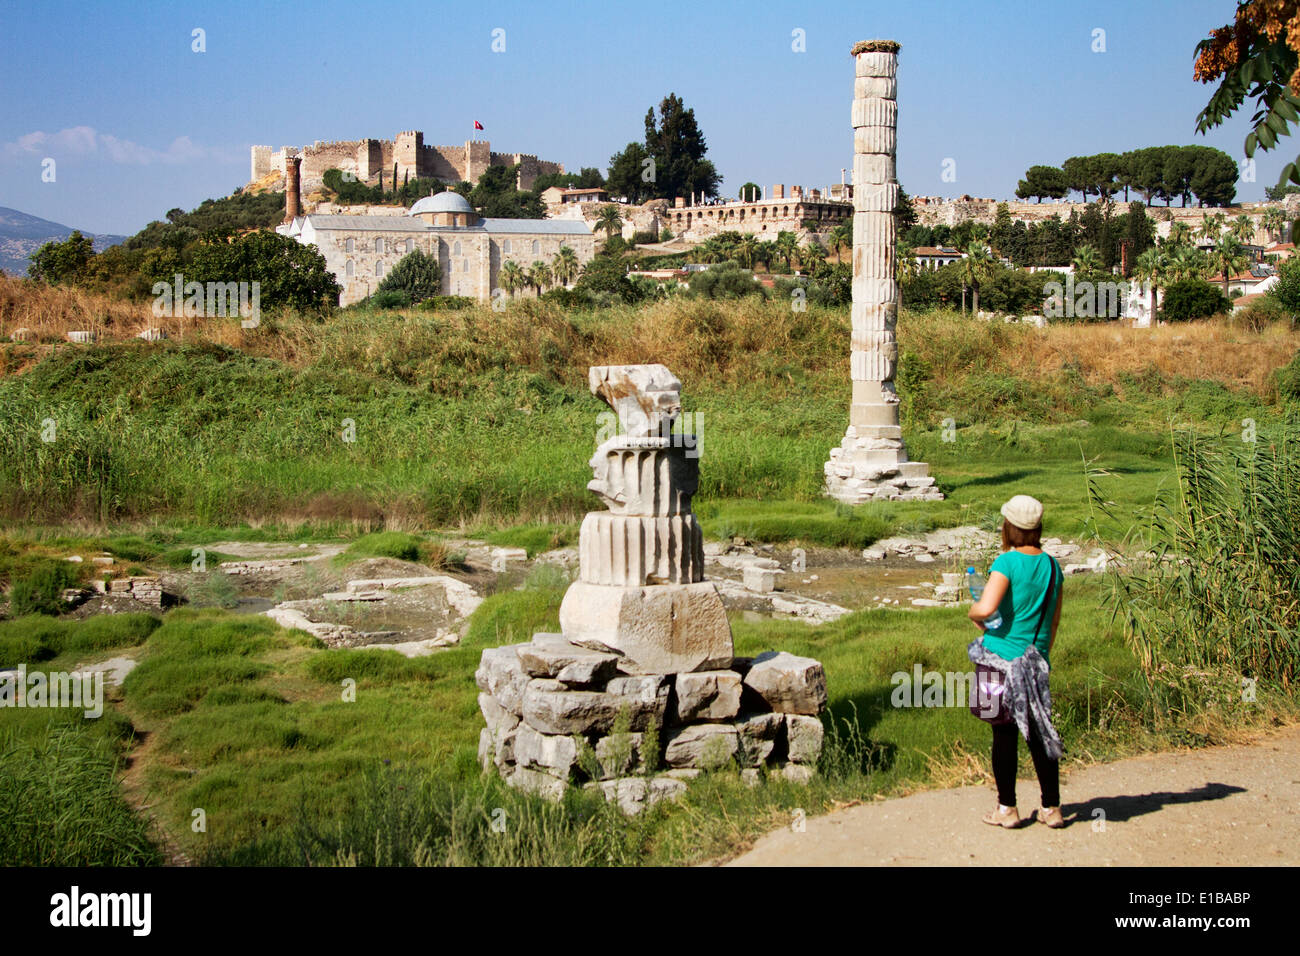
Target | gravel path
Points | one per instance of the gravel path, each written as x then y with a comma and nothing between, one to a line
1236,805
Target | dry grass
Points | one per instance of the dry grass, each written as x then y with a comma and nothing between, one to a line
700,340
49,313
1215,350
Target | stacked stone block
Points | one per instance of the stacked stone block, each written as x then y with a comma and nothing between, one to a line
871,462
643,676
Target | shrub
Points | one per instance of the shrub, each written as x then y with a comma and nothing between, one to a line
1288,380
389,299
1262,313
416,274
41,591
290,274
1287,290
567,298
1193,299
726,280
447,303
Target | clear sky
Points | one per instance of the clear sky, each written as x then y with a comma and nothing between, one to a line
138,122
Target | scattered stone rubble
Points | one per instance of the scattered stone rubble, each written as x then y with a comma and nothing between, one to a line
461,597
644,673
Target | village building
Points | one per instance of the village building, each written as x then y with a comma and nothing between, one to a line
560,195
932,257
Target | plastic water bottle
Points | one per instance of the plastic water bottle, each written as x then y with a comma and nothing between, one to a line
976,584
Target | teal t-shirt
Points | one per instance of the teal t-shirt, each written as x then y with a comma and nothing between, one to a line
1029,576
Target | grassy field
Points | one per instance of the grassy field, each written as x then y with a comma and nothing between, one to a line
249,723
390,431
482,420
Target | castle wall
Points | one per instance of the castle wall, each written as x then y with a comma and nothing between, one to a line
366,158
764,218
443,162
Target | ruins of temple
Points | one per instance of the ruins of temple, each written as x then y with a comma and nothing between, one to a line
871,461
642,690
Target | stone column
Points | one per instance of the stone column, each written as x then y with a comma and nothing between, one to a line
641,590
871,462
292,189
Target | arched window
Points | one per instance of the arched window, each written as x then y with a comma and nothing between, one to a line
351,268
455,248
379,268
464,266
537,247
505,247
410,245
379,249
350,247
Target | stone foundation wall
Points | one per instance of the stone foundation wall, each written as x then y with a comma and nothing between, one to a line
559,715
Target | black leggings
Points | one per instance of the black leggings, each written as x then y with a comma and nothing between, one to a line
1006,753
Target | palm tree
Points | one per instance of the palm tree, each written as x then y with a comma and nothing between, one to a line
1242,229
1087,259
710,250
610,220
539,276
512,278
766,253
813,254
1180,234
787,247
976,267
1274,222
565,265
1185,262
746,250
1149,268
1227,258
1212,226
841,237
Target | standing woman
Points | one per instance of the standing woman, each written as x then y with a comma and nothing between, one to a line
1024,586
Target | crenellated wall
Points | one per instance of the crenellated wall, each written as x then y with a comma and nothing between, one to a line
367,158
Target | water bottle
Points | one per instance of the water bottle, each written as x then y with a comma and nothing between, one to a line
976,584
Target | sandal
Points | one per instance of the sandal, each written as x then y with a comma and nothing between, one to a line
1009,818
1051,816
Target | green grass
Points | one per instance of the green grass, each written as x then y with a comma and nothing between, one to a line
38,637
300,754
60,800
535,538
204,437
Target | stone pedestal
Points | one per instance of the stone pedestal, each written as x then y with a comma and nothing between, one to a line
643,676
871,462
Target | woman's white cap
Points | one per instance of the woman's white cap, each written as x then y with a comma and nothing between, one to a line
1024,512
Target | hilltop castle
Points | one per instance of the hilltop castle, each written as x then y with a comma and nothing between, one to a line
367,158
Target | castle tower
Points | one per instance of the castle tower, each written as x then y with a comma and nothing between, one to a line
871,462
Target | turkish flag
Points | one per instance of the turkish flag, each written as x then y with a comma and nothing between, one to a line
478,125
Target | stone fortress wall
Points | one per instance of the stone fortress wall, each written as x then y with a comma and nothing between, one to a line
367,158
937,211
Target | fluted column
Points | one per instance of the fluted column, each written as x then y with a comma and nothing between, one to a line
871,462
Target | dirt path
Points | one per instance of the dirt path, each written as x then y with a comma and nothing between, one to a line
1235,805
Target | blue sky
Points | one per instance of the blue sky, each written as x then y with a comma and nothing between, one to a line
138,123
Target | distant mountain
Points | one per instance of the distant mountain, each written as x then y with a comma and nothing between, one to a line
21,235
